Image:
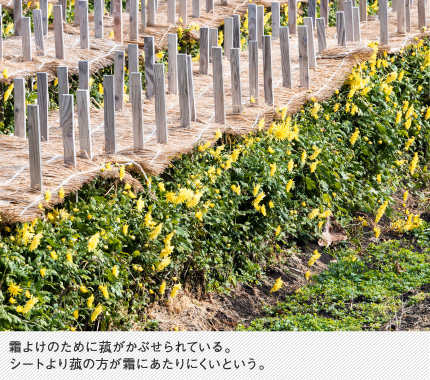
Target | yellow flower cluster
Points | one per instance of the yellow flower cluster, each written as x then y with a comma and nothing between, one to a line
277,285
314,258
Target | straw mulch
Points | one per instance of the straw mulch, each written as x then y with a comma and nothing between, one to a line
19,202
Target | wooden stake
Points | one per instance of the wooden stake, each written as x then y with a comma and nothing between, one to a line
119,79
137,109
218,83
83,107
340,25
236,86
68,128
152,20
401,17
134,19
38,32
26,38
252,22
322,39
276,18
253,70
204,50
292,16
44,9
83,24
260,25
209,6
99,6
76,16
312,11
160,104
143,12
133,58
213,41
1,34
109,114
58,31
310,42
172,65
84,75
34,150
267,70
325,10
422,14
363,10
43,103
171,11
117,21
183,11
408,15
17,16
349,25
63,82
356,20
228,35
303,56
236,31
148,48
383,18
184,97
19,107
287,80
191,89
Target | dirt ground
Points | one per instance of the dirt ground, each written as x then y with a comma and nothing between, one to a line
217,311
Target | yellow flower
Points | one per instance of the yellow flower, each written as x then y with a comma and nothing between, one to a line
43,272
93,241
314,166
290,166
414,163
199,215
125,229
272,169
218,134
121,172
256,189
5,71
12,300
314,213
140,204
90,300
104,290
161,186
304,154
289,185
307,275
29,304
277,285
156,231
405,195
61,193
381,211
311,261
14,289
35,242
83,289
115,271
55,82
8,92
54,255
427,115
76,314
354,136
131,194
278,231
175,290
19,309
69,257
252,99
111,34
271,204
271,150
377,231
236,189
315,154
163,264
162,288
96,312
263,210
